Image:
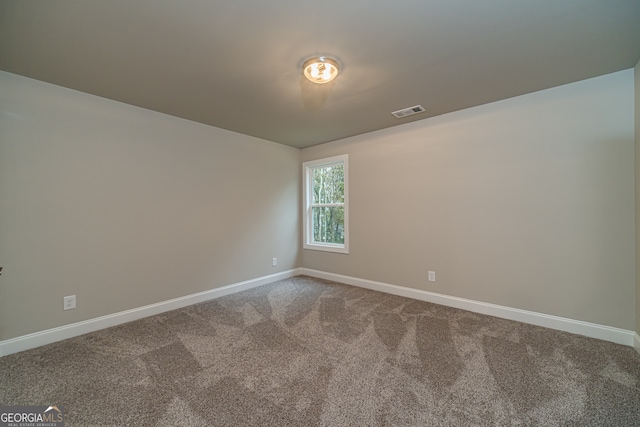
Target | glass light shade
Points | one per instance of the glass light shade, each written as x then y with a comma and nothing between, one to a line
320,69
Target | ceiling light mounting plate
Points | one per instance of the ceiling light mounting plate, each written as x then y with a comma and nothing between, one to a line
320,69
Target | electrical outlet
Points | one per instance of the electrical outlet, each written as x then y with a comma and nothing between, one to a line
69,302
274,262
432,276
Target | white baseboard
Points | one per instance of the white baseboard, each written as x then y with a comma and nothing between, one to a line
49,336
607,333
37,339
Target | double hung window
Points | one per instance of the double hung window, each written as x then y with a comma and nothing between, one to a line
326,225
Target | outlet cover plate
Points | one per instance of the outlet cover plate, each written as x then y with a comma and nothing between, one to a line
69,302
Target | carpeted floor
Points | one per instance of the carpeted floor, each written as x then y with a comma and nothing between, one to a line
308,352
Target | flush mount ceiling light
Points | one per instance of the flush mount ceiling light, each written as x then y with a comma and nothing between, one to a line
320,69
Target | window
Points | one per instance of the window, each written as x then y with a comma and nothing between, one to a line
326,213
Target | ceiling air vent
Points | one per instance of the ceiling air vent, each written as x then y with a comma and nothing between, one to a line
408,111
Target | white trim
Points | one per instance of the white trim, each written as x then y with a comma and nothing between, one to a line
49,336
307,198
37,339
593,330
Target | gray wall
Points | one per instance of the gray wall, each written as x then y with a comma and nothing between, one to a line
637,187
526,203
125,207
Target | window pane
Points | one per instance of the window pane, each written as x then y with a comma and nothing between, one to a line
328,224
328,184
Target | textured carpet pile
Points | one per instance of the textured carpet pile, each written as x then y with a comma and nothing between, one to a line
308,352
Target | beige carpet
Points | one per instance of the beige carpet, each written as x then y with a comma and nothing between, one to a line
307,352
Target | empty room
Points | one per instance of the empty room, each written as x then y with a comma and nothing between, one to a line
339,213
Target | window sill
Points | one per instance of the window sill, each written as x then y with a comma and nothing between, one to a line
341,249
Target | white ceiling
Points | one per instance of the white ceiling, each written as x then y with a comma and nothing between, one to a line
236,64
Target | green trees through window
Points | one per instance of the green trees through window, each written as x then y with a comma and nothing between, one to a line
328,204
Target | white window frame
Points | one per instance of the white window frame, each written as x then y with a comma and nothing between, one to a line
307,169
